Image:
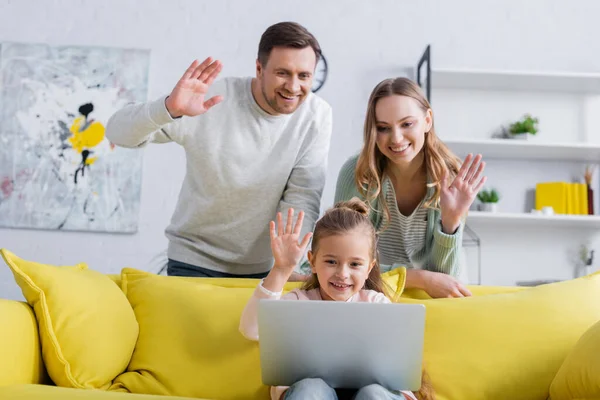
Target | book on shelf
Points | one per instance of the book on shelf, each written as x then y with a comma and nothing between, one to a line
564,197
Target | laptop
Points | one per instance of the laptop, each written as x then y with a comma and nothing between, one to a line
347,344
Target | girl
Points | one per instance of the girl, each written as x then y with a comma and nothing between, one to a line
344,268
403,172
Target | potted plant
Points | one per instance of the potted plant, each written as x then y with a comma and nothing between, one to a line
525,128
489,200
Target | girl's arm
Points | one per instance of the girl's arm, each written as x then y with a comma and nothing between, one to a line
249,320
287,252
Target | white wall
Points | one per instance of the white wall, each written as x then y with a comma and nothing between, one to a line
363,41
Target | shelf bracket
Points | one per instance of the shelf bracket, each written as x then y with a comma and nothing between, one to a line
425,58
474,241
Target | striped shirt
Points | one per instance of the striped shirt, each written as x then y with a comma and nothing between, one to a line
415,241
403,242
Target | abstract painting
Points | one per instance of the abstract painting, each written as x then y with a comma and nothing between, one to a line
57,168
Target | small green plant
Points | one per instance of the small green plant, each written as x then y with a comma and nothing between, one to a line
488,196
527,125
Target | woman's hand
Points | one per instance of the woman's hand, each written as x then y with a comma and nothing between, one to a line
436,284
457,197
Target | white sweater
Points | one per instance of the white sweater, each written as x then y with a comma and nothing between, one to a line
243,165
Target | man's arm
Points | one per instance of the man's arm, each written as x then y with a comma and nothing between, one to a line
136,125
139,124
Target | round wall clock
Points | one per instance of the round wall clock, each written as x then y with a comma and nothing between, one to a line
320,74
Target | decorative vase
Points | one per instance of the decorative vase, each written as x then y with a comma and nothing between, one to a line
488,207
522,136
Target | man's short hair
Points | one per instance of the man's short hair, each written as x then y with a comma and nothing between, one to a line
286,34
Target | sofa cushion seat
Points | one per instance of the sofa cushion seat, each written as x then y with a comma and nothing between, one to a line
36,392
506,345
76,307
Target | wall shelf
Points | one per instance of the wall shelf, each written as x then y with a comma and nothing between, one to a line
525,150
528,219
585,83
464,92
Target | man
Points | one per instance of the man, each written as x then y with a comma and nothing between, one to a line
254,146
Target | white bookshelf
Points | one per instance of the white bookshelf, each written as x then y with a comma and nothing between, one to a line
517,149
537,220
585,83
470,102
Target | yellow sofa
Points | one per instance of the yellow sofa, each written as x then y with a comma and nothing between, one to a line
85,335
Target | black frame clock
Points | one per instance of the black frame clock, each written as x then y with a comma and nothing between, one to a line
320,76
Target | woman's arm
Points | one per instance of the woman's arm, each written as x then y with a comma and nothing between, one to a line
444,253
345,187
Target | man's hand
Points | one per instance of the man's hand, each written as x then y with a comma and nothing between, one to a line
188,96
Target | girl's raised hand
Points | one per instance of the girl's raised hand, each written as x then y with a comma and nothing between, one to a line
284,241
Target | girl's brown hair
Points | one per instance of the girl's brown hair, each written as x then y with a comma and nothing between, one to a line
371,164
344,217
426,391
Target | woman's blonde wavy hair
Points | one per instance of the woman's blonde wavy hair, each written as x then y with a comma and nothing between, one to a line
371,164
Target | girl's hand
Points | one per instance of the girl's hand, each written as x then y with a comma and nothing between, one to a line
284,242
457,197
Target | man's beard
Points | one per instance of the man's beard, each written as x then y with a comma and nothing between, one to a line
272,102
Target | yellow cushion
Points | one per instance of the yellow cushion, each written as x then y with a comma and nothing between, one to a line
396,280
579,375
189,342
87,327
116,278
38,392
20,354
506,345
476,290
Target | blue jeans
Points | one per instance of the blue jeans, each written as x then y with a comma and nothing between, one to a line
178,268
317,389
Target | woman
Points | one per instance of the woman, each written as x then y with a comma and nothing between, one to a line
418,193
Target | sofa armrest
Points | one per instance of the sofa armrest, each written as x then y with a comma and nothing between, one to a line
20,351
